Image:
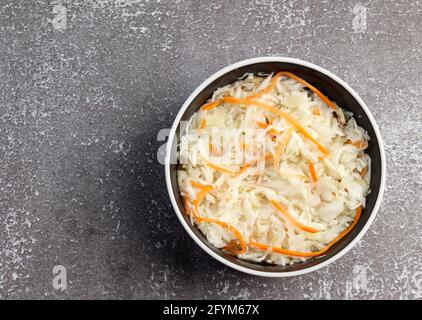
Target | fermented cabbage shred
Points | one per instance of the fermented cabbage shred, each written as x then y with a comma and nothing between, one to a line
263,179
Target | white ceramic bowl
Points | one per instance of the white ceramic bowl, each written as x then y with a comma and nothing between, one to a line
334,88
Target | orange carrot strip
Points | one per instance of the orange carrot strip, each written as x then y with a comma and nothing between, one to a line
286,215
251,163
244,146
358,144
203,124
280,113
229,227
262,125
364,172
268,157
267,89
310,254
316,111
307,84
218,168
201,186
281,147
211,105
201,195
281,250
345,232
188,205
244,168
232,247
312,171
214,150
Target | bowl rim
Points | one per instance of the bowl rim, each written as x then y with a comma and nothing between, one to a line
217,75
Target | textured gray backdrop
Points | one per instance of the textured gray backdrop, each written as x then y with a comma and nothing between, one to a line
87,85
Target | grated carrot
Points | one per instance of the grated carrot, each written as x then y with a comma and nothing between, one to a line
214,150
203,124
307,84
262,125
218,168
364,172
316,111
286,216
229,227
243,169
358,144
247,165
211,105
280,113
201,195
267,89
310,254
312,171
187,203
200,185
244,146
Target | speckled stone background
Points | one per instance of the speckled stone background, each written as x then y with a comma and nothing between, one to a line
86,86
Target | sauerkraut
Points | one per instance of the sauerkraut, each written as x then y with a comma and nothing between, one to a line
273,171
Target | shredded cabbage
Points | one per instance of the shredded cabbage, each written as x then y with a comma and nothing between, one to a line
241,197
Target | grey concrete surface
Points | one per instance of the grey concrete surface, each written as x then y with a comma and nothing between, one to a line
82,102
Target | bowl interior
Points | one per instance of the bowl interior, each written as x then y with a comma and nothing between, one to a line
335,92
